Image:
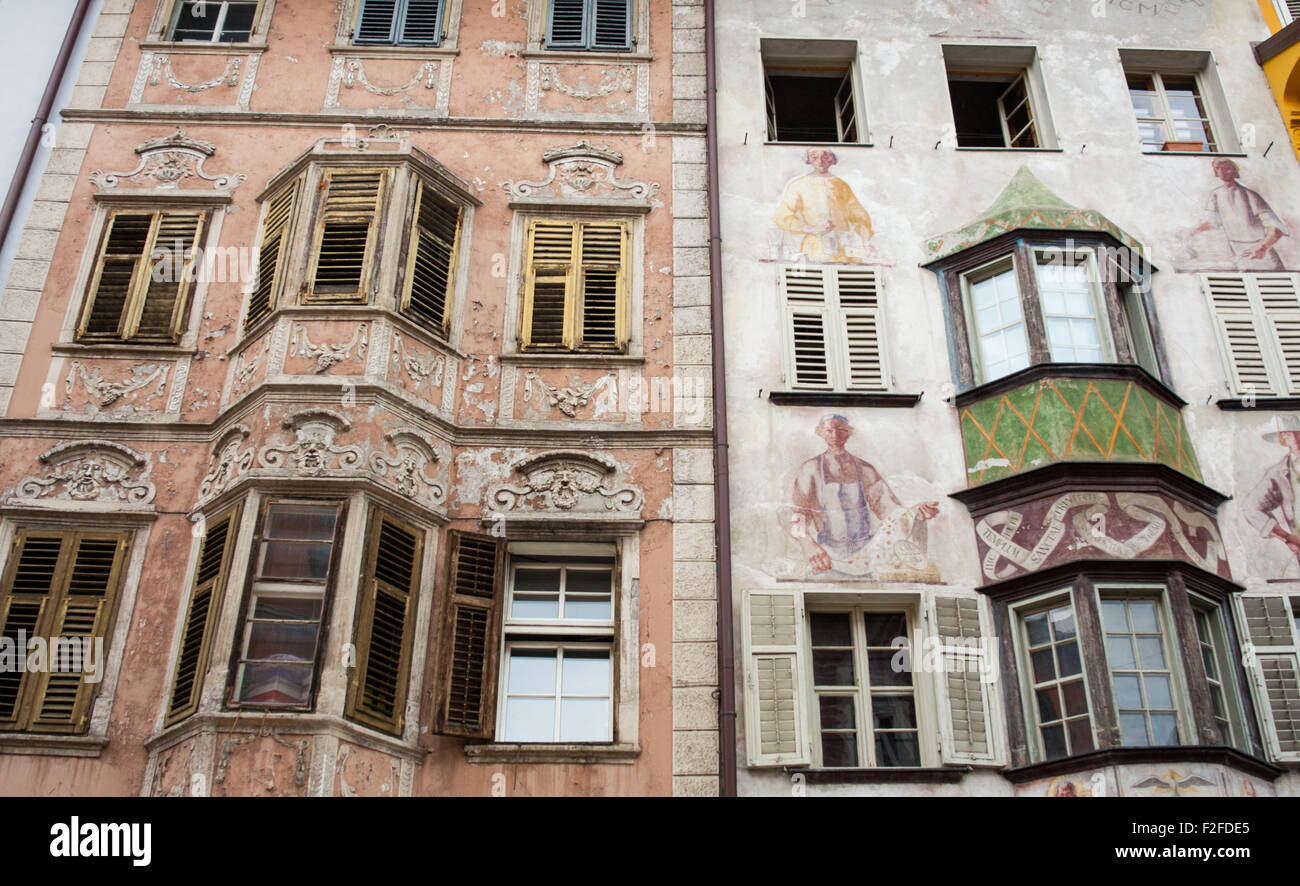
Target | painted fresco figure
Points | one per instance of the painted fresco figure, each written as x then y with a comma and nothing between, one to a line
847,519
823,209
1271,506
1249,223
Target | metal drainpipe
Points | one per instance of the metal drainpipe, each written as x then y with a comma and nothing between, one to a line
722,491
17,186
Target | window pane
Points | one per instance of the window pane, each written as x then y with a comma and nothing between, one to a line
883,628
1144,616
296,560
893,711
1164,729
1151,652
833,667
1063,623
1133,730
534,606
293,607
588,581
585,673
839,749
589,608
1159,692
547,580
1049,704
282,642
836,712
1076,699
301,522
530,719
531,672
1044,666
238,26
830,629
885,670
1120,651
1080,732
1128,691
897,749
584,719
1054,742
1067,657
279,682
1036,628
1114,617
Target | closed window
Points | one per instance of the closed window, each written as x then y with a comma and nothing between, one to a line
1141,670
834,329
214,21
589,25
399,23
57,607
346,236
577,286
293,565
1215,658
1257,317
1178,101
143,277
1054,677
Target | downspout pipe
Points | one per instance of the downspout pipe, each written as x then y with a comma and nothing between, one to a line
721,482
18,185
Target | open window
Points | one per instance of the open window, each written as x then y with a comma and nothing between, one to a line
811,91
1178,102
997,97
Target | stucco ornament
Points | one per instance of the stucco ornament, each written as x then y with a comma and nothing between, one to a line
90,470
229,459
167,161
567,480
109,392
404,465
582,170
422,372
312,452
567,399
621,77
327,355
162,65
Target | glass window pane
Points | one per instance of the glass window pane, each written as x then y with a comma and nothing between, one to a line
1080,735
1128,691
1164,728
883,628
1044,665
585,673
1144,616
833,667
839,749
897,749
830,629
1151,652
1133,730
301,560
290,607
1054,741
282,642
530,606
588,581
836,712
301,522
885,668
530,719
1063,623
1067,656
1049,704
1076,698
588,608
584,719
1120,650
278,682
1036,628
537,580
1159,692
1114,616
893,711
239,22
531,671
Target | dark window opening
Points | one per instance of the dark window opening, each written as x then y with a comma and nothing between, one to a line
806,106
992,112
209,22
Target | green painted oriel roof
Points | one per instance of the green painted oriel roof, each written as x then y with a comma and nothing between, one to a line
1025,203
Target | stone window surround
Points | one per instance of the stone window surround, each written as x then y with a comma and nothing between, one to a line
165,11
1202,65
536,45
391,250
963,57
64,516
347,24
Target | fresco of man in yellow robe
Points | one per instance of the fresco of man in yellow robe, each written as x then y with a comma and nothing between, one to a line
824,210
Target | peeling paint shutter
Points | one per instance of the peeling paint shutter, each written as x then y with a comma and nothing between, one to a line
87,576
270,255
421,23
611,27
807,312
122,267
471,636
385,624
1278,297
430,273
551,273
376,22
565,25
211,574
965,734
604,283
345,239
1240,329
774,681
29,589
171,258
1274,658
858,297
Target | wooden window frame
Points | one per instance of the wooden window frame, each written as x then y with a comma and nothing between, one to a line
32,685
419,184
572,330
1166,116
134,303
250,593
376,235
1221,646
561,633
169,23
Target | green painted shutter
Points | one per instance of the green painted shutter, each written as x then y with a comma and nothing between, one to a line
565,24
470,639
376,22
421,23
610,25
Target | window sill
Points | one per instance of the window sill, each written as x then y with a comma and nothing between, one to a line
53,745
383,50
197,46
1013,150
884,775
794,144
874,399
571,358
1194,154
588,55
1041,371
1261,403
1217,754
283,722
135,352
552,753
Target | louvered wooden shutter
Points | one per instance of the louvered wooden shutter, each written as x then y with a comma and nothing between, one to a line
1241,334
807,312
469,643
611,25
376,22
64,586
565,26
774,681
430,283
1280,302
1292,8
345,239
552,272
122,268
421,23
860,322
159,314
271,254
965,714
385,624
211,575
603,287
1267,622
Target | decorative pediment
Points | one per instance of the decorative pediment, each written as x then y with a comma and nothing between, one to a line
228,460
567,480
90,471
312,452
582,171
166,162
403,465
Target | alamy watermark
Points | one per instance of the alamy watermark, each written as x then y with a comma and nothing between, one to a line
55,655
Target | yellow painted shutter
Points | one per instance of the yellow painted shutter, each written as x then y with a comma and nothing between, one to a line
603,287
271,253
118,275
551,279
158,314
470,639
431,265
346,235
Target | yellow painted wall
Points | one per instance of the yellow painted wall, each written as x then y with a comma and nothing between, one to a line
1283,73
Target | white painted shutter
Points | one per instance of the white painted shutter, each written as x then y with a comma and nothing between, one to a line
1274,657
1239,326
774,703
807,311
858,295
1280,300
966,733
